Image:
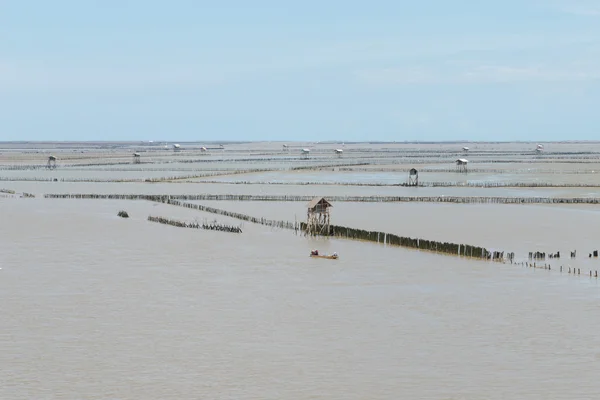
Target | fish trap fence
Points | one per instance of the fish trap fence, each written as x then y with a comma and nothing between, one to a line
240,216
195,225
420,184
463,250
351,199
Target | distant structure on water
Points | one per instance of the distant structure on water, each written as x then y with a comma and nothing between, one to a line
461,165
305,152
539,148
339,152
413,177
176,147
465,149
318,221
136,158
51,162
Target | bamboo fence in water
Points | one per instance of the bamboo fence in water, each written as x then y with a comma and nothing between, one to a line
351,199
195,225
481,184
462,250
472,170
243,217
359,234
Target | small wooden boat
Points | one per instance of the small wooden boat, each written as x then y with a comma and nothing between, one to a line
333,256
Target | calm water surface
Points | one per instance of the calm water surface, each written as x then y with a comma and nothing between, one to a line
97,307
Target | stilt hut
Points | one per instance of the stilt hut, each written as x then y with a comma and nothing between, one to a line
176,147
465,149
461,165
318,217
305,153
51,162
413,177
339,152
136,158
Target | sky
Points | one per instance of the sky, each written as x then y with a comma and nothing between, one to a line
348,70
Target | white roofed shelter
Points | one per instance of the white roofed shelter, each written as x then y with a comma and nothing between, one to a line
461,164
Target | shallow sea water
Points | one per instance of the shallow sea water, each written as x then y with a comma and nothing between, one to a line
98,307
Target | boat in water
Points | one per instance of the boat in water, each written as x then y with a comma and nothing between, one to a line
315,254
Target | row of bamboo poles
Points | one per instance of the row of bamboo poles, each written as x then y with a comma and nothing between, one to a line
463,250
351,199
360,168
480,184
527,171
242,217
196,225
12,193
259,160
124,180
360,234
190,178
399,158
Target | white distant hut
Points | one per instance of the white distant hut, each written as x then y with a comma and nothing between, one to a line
305,152
176,147
465,149
461,164
539,148
136,158
339,152
203,149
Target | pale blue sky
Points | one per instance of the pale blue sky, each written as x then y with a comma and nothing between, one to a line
311,70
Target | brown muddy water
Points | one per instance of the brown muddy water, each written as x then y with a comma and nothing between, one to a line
98,307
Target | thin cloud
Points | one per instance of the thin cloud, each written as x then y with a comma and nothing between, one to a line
474,75
583,11
586,8
24,77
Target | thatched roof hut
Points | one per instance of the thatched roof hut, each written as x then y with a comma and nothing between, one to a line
319,204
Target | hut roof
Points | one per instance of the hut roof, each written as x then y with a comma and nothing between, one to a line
462,161
319,200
